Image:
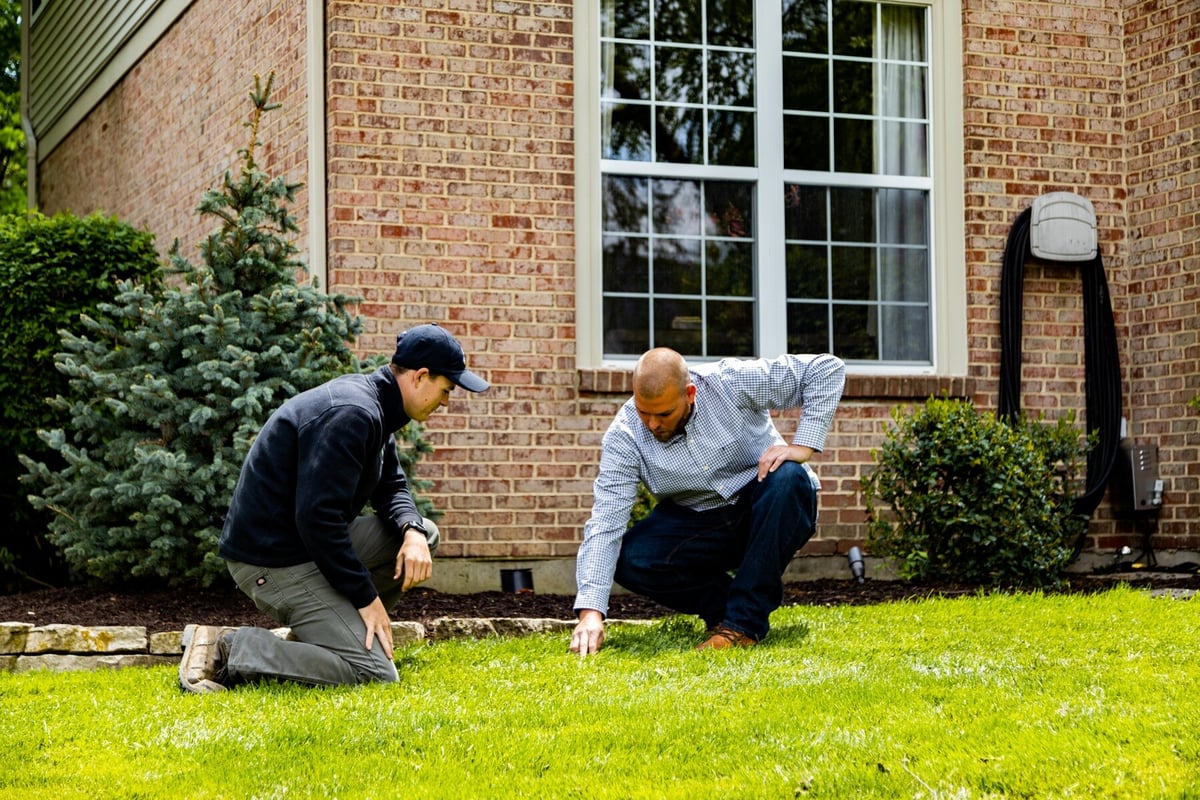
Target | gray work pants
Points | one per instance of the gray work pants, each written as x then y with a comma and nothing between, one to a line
329,636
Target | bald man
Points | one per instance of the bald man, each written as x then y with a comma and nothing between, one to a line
732,495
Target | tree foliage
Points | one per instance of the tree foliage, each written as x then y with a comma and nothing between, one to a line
168,391
52,269
12,134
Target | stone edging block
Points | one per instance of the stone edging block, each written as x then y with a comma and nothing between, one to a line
25,647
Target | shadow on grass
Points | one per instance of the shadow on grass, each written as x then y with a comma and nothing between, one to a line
681,633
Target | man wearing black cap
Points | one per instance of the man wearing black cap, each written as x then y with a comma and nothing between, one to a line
295,540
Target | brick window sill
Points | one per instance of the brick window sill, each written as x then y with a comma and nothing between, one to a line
858,387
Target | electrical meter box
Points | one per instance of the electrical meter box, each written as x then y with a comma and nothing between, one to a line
1134,486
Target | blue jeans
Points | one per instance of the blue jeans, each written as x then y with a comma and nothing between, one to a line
683,558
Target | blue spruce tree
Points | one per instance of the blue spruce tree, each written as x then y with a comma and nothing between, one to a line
163,411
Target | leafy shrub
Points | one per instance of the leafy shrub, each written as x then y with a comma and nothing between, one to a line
974,499
52,270
164,414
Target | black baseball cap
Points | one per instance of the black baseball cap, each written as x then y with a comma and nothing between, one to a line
433,348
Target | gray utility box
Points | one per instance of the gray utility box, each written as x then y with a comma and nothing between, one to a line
1135,487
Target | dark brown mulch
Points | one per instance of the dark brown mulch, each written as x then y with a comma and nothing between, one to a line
171,610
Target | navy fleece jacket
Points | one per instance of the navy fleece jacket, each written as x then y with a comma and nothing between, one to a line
314,465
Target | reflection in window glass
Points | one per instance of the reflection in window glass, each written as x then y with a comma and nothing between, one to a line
695,246
680,127
878,294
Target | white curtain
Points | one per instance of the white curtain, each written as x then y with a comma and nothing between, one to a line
901,149
607,51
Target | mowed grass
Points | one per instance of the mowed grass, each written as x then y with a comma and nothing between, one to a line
990,696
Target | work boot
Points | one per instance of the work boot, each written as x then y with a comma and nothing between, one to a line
205,653
720,637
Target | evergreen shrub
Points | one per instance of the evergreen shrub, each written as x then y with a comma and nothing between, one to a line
52,270
961,496
163,413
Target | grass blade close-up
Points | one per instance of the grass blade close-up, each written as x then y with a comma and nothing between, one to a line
1002,695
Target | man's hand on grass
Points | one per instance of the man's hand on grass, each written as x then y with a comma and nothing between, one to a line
589,633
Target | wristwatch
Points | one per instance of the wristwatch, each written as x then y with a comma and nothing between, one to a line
413,526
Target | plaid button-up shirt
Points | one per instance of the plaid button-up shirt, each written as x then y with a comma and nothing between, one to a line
708,464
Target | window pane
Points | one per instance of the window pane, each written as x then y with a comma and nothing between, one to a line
731,23
853,273
853,87
808,328
678,73
731,138
904,334
805,84
904,274
679,324
853,215
627,135
853,148
804,213
676,266
902,88
625,19
625,203
628,78
853,338
806,143
730,329
677,207
729,269
853,28
680,132
678,21
807,273
905,216
805,26
626,325
904,148
909,22
730,79
729,209
626,264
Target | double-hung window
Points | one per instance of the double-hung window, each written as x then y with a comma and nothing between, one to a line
769,181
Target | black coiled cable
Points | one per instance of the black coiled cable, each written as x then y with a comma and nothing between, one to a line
1102,368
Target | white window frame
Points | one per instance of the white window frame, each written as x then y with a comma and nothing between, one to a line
948,293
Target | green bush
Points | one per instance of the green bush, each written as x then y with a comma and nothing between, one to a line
52,270
973,499
163,413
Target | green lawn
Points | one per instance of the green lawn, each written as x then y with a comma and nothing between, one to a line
994,696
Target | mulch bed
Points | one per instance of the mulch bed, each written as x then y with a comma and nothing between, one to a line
172,610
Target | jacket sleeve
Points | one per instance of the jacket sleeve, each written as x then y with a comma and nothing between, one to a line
392,499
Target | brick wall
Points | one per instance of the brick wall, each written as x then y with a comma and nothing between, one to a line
1044,87
451,151
450,199
173,126
1162,276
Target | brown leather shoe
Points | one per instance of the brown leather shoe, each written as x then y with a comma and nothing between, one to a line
721,637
